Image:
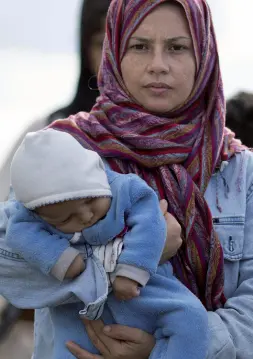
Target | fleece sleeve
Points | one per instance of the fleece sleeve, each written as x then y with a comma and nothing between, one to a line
28,237
146,235
26,287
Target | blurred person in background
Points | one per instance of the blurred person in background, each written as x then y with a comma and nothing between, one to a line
239,117
92,26
92,23
91,42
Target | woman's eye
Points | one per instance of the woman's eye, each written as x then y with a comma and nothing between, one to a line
139,47
177,48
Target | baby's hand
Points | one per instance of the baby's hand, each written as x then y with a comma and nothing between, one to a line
125,288
76,267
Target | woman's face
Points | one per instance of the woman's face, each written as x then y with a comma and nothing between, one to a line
95,50
159,65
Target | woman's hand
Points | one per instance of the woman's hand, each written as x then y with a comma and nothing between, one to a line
114,342
174,240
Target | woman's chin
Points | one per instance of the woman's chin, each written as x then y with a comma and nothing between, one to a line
159,108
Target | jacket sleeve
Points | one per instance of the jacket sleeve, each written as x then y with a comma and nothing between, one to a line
146,235
28,237
231,330
27,287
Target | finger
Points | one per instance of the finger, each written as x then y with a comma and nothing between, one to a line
121,332
95,336
80,353
95,330
168,216
164,206
171,221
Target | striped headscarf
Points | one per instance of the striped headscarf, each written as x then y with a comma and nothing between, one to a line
175,154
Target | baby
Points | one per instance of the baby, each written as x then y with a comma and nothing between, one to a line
71,218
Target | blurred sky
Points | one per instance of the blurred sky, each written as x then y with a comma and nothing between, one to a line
47,25
39,65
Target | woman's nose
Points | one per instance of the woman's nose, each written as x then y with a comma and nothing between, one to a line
158,63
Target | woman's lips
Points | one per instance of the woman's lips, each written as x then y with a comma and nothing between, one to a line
158,88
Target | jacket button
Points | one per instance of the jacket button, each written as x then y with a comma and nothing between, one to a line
231,244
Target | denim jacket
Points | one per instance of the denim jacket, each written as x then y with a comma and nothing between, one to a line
230,198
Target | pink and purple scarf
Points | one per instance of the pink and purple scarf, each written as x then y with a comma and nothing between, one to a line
175,154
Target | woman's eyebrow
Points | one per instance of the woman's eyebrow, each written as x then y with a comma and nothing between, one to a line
170,39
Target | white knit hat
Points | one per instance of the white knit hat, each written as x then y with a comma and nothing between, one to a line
51,166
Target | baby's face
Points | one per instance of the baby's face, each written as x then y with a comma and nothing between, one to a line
75,215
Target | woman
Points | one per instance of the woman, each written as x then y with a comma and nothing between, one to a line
92,24
161,115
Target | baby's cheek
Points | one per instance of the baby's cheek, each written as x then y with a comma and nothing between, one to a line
60,228
65,228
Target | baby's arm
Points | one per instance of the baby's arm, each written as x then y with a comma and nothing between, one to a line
145,239
25,286
75,268
51,253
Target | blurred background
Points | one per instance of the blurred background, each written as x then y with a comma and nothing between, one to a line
39,45
39,60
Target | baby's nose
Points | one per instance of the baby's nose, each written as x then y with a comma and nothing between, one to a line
85,217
